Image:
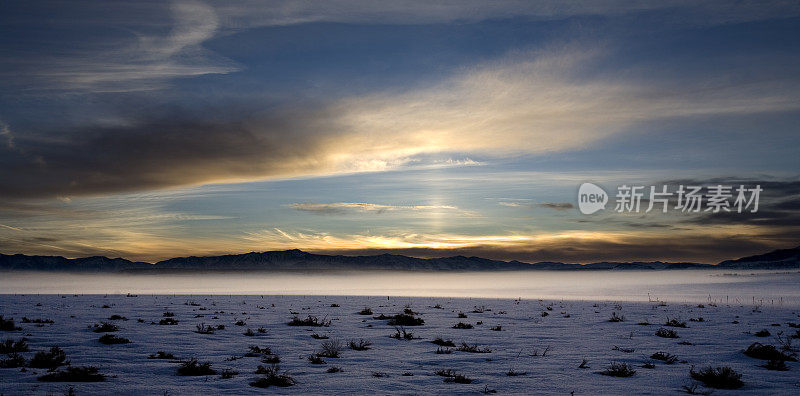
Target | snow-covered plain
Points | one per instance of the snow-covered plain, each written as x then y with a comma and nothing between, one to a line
571,331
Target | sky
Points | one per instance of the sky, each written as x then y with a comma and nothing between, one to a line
149,130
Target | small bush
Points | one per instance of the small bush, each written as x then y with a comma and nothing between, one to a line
719,378
365,311
472,348
776,365
512,373
445,351
758,350
11,346
256,351
240,323
405,320
249,333
330,349
271,359
445,373
462,315
110,339
439,341
402,334
674,323
619,370
334,305
452,376
52,359
361,345
664,357
74,374
14,360
692,390
666,333
162,355
335,369
203,329
459,379
168,314
8,324
319,337
462,325
314,359
616,318
309,321
105,327
117,317
192,367
648,365
497,328
762,333
273,377
168,322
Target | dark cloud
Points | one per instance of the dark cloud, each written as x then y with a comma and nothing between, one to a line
171,150
779,203
557,205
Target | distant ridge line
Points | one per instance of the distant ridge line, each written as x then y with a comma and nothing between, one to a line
298,260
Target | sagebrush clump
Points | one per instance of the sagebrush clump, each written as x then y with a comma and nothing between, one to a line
619,370
192,367
719,377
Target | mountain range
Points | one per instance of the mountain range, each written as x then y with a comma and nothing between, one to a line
298,260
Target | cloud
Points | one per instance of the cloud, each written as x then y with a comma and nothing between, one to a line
515,204
145,59
557,205
281,13
529,102
165,41
359,207
778,202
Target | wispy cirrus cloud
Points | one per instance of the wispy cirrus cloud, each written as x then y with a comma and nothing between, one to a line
144,59
529,102
361,207
287,12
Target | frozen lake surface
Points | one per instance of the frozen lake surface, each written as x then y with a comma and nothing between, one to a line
544,341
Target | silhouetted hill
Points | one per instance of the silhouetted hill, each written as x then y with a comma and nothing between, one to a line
21,262
776,259
298,260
